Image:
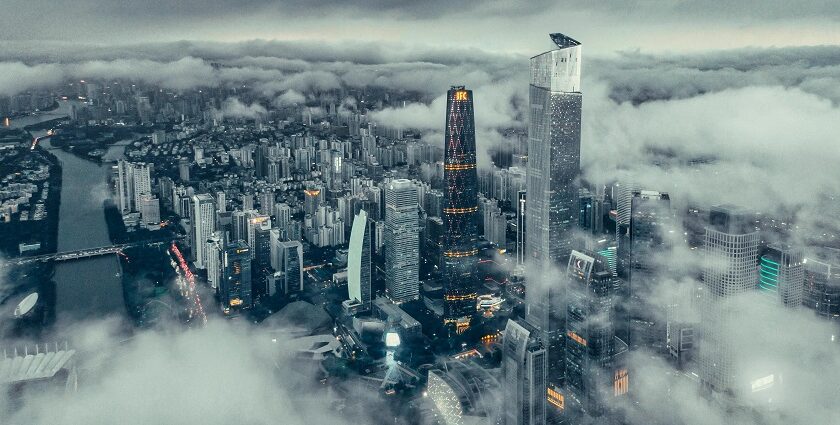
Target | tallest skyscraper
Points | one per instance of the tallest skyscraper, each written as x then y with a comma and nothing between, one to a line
552,204
461,205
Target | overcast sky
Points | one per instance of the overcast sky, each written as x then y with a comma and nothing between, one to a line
511,26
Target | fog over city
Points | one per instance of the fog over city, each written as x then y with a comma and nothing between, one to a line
303,115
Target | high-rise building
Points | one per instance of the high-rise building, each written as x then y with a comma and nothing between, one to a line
184,169
235,287
594,373
149,208
781,275
215,259
730,254
822,284
359,262
650,222
402,241
524,371
133,181
460,235
202,226
261,265
290,271
553,169
142,180
553,151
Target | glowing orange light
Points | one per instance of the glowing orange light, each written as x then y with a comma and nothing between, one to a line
458,166
461,95
556,399
576,338
621,383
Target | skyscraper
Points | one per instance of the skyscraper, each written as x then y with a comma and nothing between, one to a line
460,207
524,370
289,257
650,221
781,275
235,287
202,226
553,199
553,151
730,254
358,262
822,284
402,241
592,350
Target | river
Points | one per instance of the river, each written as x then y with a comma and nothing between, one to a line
90,287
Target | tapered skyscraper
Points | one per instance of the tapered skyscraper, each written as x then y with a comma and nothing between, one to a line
552,201
553,151
461,205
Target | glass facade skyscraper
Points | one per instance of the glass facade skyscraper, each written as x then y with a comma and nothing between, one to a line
235,287
402,241
460,206
553,196
650,221
358,261
730,254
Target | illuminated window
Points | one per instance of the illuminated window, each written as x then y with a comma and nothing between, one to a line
621,384
461,95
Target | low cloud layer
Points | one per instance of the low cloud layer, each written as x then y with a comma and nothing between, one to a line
227,372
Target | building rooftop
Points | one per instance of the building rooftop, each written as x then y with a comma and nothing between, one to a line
563,41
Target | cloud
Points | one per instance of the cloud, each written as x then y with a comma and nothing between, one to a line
290,97
226,372
234,108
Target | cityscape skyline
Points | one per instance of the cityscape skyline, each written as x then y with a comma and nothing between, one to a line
288,231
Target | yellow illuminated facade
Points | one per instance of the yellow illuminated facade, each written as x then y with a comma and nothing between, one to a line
576,338
621,383
555,398
462,95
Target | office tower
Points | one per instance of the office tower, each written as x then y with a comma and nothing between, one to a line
358,262
221,203
282,214
624,199
521,228
184,169
149,208
650,223
235,287
822,284
256,221
459,210
553,151
524,372
592,350
203,224
781,275
262,257
553,169
402,241
730,254
215,259
290,261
